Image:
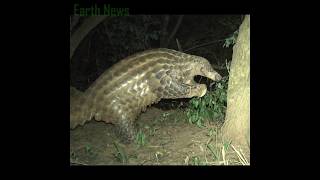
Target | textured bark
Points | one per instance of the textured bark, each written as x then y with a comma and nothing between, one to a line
237,122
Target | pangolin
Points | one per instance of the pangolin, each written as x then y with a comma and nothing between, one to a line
125,90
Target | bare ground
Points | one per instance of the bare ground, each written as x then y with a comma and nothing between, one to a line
170,140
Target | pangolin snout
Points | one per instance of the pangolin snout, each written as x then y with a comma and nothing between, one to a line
213,75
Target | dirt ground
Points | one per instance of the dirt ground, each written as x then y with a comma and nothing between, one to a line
169,140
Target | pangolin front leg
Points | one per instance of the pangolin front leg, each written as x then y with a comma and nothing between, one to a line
176,89
175,85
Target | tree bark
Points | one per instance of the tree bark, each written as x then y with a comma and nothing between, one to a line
237,123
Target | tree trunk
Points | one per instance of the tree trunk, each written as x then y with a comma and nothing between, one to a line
237,123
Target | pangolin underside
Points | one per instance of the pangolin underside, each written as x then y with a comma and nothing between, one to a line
123,91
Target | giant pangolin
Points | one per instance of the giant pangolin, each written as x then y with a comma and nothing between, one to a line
123,91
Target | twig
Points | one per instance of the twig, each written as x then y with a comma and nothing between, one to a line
224,156
173,33
227,67
78,163
241,157
179,45
205,44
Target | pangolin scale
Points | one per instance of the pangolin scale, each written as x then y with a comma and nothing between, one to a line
123,91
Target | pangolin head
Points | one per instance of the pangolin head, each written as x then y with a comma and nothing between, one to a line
202,67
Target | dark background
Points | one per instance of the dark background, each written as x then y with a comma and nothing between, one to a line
36,81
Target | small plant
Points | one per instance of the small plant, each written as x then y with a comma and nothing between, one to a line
195,160
89,151
120,155
140,138
231,40
193,113
215,152
212,106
